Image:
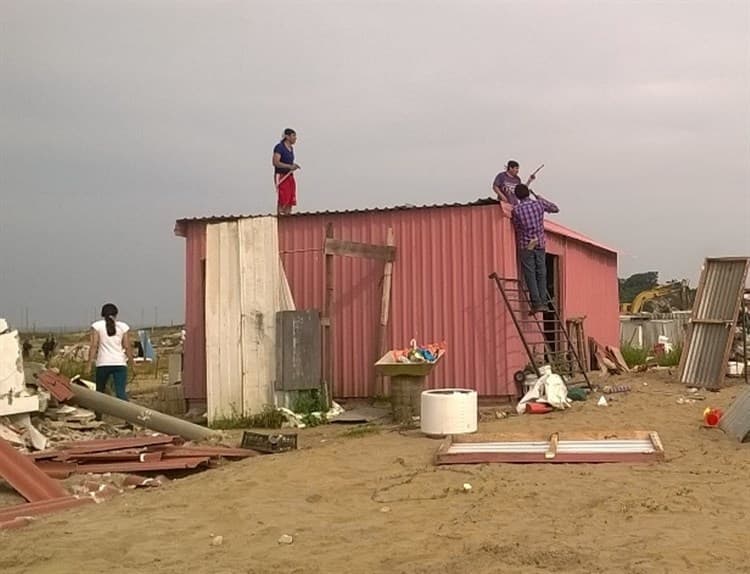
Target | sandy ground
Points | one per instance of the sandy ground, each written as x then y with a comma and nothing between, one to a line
375,503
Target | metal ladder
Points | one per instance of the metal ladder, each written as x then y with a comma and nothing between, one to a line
545,340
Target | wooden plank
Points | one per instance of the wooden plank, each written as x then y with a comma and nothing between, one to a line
619,359
260,288
212,311
385,304
230,369
711,321
287,299
354,249
552,449
223,366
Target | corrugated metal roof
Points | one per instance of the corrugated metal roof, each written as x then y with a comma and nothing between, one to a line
717,302
550,226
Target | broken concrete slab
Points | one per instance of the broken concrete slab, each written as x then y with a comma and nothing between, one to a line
14,397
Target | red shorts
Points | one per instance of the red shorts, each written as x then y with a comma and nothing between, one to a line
287,189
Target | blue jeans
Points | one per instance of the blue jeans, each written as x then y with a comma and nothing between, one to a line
534,267
120,376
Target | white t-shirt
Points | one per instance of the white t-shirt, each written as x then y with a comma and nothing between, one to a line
111,353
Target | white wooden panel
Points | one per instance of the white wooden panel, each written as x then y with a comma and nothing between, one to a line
260,294
231,359
223,358
212,297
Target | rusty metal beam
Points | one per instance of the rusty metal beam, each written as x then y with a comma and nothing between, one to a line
164,464
23,475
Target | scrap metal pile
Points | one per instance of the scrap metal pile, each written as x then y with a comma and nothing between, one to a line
35,476
63,457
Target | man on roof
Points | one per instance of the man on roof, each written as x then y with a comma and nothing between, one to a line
505,183
284,168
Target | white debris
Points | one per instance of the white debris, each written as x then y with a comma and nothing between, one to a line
385,509
285,539
602,402
217,541
32,434
14,397
467,487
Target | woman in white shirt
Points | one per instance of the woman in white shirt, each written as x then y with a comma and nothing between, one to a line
110,351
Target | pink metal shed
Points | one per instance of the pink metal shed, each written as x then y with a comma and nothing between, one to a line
441,290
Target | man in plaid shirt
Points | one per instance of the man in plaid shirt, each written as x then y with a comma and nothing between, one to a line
528,220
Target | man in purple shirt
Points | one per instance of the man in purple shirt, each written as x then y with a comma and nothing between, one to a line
505,183
528,220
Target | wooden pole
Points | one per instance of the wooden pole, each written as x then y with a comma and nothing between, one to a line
327,311
385,304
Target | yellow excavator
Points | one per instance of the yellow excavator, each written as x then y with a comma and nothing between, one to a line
660,298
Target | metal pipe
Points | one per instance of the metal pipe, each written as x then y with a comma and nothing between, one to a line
138,415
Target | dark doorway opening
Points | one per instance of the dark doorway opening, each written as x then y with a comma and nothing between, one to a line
554,340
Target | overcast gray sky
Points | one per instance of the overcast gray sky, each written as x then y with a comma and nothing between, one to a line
118,117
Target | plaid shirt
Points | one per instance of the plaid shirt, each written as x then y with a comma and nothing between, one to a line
528,219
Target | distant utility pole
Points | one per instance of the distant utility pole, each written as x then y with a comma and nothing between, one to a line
27,320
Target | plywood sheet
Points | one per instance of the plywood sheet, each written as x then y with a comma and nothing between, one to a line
260,295
223,356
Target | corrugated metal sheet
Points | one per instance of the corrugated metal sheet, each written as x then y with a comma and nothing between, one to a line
722,285
23,475
441,291
736,420
710,333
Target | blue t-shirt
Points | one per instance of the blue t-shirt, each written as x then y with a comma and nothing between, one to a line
287,156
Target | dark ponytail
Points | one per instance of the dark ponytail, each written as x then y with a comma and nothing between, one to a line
109,312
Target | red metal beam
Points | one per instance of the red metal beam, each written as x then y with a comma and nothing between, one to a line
56,468
23,475
166,464
107,444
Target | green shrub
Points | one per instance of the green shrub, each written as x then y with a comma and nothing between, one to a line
634,355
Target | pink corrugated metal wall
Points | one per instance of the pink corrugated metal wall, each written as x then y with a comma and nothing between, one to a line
441,291
590,289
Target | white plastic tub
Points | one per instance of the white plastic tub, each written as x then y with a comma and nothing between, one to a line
448,411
